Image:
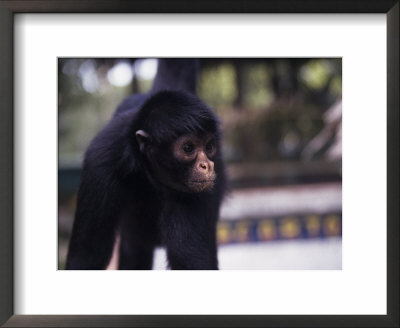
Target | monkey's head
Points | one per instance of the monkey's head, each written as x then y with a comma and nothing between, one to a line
179,139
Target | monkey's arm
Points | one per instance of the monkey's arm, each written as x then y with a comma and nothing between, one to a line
96,221
189,236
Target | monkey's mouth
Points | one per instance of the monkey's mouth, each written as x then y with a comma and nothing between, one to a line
201,185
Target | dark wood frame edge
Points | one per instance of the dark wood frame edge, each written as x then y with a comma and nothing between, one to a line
9,8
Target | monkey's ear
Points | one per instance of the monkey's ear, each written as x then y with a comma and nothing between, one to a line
143,139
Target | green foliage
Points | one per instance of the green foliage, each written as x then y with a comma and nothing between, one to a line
280,133
336,85
81,114
316,73
217,85
257,90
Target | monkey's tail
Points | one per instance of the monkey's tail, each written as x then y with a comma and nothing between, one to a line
176,74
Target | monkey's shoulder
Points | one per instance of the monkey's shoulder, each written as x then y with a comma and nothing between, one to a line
131,103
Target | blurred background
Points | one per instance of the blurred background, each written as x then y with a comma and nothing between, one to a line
282,145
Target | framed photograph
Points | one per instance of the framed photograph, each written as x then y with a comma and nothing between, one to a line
339,64
273,113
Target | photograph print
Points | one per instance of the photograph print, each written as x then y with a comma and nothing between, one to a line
199,163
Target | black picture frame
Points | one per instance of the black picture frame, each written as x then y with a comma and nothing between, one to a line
10,7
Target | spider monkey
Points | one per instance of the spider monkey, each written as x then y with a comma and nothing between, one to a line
154,176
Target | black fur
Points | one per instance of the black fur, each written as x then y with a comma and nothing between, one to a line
123,192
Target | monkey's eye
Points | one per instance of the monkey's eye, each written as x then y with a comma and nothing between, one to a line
188,148
210,146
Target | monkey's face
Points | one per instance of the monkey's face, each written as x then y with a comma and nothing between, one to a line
195,156
185,165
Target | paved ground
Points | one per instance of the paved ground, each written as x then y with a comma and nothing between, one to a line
283,200
308,254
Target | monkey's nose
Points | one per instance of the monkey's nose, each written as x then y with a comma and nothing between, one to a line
203,166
